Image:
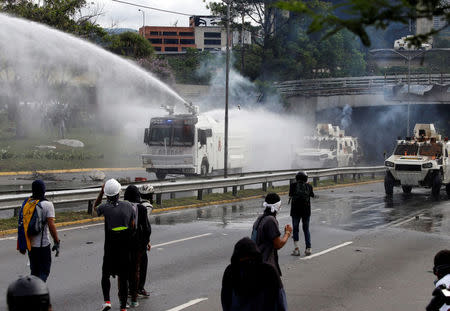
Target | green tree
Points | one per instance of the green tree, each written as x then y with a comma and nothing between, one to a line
129,44
359,15
64,15
192,67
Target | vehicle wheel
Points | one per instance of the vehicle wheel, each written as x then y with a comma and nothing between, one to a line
447,189
436,186
406,189
389,184
204,169
330,163
160,175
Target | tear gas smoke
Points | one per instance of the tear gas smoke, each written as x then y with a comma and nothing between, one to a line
346,117
271,133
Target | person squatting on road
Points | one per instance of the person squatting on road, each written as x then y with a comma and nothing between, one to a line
441,294
266,233
28,293
248,284
140,245
300,193
36,218
119,227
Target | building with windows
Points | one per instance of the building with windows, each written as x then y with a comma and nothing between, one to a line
204,33
166,40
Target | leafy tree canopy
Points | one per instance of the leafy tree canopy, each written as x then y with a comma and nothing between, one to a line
358,15
71,16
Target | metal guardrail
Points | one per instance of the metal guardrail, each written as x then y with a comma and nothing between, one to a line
13,201
355,85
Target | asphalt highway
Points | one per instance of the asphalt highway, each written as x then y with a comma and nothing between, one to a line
369,253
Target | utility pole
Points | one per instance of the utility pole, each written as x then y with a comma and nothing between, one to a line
227,78
143,22
242,45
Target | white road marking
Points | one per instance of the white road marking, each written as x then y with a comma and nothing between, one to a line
326,251
181,240
188,304
80,227
398,224
9,238
373,206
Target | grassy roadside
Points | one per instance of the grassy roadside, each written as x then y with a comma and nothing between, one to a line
67,216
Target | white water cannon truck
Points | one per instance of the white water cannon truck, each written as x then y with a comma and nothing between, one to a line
419,161
189,144
327,148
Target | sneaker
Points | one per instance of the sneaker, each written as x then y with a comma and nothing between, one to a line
295,252
106,306
142,293
308,252
134,304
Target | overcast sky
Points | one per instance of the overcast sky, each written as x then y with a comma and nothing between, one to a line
126,16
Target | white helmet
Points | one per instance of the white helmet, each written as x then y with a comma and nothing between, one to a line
112,187
146,189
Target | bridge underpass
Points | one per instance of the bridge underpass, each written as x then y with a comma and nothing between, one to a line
374,109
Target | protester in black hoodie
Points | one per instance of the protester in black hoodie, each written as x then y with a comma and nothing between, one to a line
248,284
141,245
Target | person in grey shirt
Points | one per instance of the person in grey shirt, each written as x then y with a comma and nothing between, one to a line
268,238
119,228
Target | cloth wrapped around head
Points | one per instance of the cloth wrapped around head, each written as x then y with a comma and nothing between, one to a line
272,202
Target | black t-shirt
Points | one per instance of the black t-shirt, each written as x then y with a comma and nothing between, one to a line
267,231
118,216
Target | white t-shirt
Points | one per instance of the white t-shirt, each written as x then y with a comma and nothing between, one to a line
48,210
444,281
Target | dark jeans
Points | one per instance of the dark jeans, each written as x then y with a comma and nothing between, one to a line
122,281
305,227
138,272
40,262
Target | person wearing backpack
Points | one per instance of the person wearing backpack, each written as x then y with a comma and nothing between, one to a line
140,246
119,230
300,193
36,220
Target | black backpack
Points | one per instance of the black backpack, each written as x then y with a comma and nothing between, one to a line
302,193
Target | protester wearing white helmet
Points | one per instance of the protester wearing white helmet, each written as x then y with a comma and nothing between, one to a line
119,226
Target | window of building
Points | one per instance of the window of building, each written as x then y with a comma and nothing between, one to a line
213,35
212,42
157,48
171,49
187,41
186,34
154,33
169,33
170,41
155,41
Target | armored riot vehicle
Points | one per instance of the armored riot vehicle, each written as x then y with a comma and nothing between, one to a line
189,144
328,147
419,161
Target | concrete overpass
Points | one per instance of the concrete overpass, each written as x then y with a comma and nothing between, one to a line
306,97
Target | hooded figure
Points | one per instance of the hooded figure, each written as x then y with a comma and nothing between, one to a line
140,245
248,284
38,190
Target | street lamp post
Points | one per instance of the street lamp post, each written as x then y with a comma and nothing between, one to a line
143,22
227,80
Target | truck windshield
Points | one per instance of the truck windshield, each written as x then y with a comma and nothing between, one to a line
158,134
431,150
172,135
183,135
311,143
406,149
328,144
